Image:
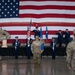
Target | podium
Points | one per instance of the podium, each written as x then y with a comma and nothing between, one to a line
4,43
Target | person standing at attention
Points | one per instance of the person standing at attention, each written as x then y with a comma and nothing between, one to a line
28,49
60,38
36,51
36,32
53,48
67,36
16,45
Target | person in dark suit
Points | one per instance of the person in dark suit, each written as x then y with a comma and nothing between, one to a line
16,45
53,48
67,36
60,38
28,48
36,32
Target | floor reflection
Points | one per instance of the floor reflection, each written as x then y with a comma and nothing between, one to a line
37,71
28,68
16,68
4,69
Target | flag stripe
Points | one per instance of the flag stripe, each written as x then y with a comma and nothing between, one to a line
49,0
47,7
47,11
41,3
19,28
10,24
47,15
67,20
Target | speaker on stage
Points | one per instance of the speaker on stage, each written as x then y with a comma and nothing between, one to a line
4,35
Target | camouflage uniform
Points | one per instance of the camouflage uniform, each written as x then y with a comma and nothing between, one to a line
36,50
71,55
4,35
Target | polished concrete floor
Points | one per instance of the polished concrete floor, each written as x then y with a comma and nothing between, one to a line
23,66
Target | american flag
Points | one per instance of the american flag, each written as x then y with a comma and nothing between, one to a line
15,16
28,31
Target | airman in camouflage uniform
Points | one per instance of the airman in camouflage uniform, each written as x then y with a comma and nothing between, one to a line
71,54
36,50
4,34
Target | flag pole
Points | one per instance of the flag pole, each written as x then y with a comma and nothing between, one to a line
31,22
29,29
46,34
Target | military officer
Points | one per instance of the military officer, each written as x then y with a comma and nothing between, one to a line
53,48
67,36
4,34
71,54
16,45
29,39
36,32
36,50
28,48
60,38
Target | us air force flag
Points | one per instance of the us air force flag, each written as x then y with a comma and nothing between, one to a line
41,37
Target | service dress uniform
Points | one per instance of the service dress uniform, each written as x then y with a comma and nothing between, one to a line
67,37
53,49
16,45
60,38
28,50
36,32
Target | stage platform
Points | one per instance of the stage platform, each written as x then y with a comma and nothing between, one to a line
9,51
